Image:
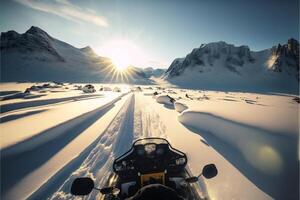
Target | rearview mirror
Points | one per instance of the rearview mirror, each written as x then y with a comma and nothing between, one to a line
209,171
192,179
82,186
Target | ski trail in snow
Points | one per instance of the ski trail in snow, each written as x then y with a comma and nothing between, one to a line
98,164
147,121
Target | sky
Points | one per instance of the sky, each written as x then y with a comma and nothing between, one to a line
156,31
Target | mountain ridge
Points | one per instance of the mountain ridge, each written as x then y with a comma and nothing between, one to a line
37,56
223,66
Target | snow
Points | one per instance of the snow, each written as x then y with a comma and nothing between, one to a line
88,89
266,154
164,99
222,66
46,109
272,133
179,107
117,89
62,133
39,57
107,89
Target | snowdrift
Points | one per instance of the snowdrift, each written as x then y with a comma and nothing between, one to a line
262,155
165,99
179,107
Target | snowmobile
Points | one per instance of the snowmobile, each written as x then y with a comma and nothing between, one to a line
150,169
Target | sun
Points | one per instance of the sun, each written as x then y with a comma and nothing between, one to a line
121,58
123,53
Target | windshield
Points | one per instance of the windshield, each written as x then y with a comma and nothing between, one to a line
151,140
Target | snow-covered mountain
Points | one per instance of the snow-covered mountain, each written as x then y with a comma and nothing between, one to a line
149,71
36,56
224,66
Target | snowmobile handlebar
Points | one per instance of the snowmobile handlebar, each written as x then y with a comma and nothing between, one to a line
209,171
84,185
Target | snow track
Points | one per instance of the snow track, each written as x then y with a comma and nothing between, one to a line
85,145
147,121
115,140
135,120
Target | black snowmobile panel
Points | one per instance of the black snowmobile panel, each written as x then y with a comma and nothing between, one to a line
157,192
149,161
149,156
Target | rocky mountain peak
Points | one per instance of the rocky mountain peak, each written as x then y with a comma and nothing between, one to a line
88,50
34,40
289,49
207,54
37,32
286,55
293,46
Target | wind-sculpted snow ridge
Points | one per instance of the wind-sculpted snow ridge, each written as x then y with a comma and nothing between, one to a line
263,156
165,99
55,132
179,107
42,155
18,106
84,104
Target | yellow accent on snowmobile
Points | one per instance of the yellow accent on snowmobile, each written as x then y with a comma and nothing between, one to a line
158,177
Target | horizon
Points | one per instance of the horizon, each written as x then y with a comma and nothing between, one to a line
158,67
155,34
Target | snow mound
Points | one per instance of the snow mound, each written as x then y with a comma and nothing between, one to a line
88,89
77,87
148,94
117,89
265,154
138,89
179,107
107,89
165,99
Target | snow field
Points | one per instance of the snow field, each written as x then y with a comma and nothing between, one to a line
252,139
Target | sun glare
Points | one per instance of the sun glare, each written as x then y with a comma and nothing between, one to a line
123,53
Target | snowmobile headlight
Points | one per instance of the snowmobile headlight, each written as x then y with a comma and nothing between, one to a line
150,148
180,161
